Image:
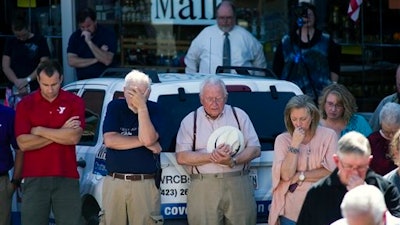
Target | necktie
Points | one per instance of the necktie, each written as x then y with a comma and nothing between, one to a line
226,61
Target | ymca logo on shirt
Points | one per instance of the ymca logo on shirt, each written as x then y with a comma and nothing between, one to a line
61,109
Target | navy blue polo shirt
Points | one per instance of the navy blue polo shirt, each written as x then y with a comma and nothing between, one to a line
78,46
7,138
119,118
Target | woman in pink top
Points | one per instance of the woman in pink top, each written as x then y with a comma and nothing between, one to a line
303,155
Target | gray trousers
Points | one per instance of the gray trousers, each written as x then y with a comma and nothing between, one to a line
44,194
6,192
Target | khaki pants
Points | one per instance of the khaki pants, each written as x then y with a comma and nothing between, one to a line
214,200
6,192
130,202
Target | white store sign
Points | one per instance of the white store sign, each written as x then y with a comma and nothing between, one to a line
183,12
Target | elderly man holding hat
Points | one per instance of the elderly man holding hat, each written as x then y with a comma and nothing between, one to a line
215,143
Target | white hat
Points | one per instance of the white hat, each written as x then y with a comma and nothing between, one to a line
228,135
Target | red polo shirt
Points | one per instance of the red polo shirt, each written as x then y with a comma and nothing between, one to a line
53,159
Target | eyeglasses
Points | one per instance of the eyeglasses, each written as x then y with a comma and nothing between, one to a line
218,100
387,134
348,167
333,105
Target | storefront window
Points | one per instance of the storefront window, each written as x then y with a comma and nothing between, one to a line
157,33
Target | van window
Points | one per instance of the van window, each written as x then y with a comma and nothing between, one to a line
265,110
118,95
175,107
94,100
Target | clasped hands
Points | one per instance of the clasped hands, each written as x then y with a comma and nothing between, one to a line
221,154
21,84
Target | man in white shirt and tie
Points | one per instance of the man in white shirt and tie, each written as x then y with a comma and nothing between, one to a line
207,50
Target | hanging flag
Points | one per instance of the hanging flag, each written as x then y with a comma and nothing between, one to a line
354,9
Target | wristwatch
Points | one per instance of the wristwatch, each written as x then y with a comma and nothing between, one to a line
302,177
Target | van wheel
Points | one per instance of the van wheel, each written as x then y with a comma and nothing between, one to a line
90,210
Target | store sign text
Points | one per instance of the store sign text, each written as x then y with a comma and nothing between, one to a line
183,12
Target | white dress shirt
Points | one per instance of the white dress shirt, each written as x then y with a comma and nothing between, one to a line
205,52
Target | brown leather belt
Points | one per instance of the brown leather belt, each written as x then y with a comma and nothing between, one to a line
131,177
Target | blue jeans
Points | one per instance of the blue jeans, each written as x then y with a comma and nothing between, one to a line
285,221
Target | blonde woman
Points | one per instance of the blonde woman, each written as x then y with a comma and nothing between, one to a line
302,156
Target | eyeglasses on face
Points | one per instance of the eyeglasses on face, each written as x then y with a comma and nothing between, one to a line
387,133
359,168
333,105
218,100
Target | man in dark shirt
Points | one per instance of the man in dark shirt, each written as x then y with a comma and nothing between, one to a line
132,132
322,203
92,47
23,53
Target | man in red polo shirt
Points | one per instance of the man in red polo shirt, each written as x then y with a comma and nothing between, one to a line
49,123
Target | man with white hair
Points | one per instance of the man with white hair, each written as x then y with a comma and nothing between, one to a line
365,205
221,191
132,130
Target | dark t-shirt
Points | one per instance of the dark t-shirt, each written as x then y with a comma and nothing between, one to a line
78,46
25,56
119,118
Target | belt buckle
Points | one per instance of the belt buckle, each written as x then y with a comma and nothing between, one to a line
125,177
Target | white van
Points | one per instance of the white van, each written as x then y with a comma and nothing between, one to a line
262,98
